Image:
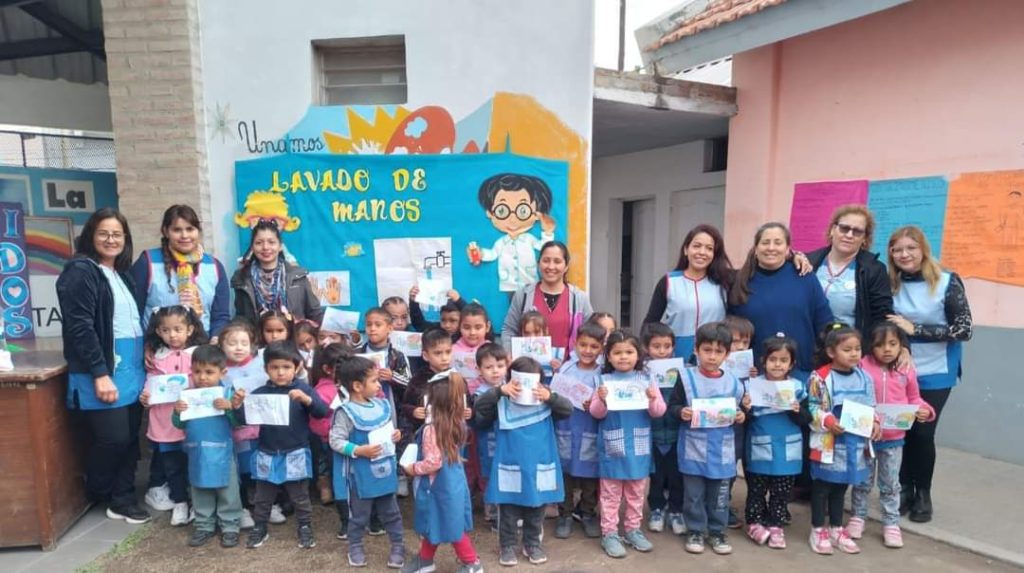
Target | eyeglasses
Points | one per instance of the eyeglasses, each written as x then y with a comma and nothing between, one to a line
502,211
857,232
905,250
108,236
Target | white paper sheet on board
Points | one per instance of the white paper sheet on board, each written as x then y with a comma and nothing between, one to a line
331,287
400,263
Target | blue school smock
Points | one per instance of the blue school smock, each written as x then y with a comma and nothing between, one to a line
708,452
624,443
526,470
774,441
688,305
128,376
577,434
486,447
850,456
370,478
444,512
210,450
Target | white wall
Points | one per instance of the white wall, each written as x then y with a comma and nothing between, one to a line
658,174
258,61
54,103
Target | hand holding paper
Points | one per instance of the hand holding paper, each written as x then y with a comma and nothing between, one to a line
527,382
267,410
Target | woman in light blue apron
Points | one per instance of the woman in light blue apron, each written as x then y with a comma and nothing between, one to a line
931,307
103,348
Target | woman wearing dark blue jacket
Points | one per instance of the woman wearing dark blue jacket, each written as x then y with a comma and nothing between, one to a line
103,349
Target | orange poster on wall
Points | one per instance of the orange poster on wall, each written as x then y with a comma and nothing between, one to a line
984,232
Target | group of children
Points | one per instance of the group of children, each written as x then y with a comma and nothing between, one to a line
502,434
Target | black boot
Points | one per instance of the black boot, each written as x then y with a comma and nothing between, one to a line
906,498
921,512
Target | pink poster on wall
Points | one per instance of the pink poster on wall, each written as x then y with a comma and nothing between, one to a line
813,204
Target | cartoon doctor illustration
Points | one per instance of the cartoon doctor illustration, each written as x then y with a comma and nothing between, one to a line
514,202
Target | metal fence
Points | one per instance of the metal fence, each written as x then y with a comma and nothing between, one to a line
58,149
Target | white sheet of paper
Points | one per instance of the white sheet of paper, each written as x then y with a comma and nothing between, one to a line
713,412
400,263
409,455
857,419
335,403
378,358
897,416
408,343
626,394
779,395
166,388
739,363
382,436
331,287
340,321
661,371
433,293
267,409
527,382
577,392
465,364
536,347
200,402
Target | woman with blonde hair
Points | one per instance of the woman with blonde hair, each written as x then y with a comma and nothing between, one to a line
931,307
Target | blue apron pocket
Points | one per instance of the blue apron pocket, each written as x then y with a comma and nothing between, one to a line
729,447
547,477
695,448
615,443
642,441
564,443
261,464
510,478
296,465
761,449
588,447
381,468
839,458
794,448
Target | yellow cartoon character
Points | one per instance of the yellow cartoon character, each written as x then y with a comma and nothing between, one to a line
266,206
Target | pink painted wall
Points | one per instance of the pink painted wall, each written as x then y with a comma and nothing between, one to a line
933,87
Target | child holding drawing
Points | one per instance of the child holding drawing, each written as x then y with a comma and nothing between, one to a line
839,458
324,360
742,332
450,313
533,324
492,362
774,451
660,341
526,474
245,371
893,386
624,444
363,433
707,454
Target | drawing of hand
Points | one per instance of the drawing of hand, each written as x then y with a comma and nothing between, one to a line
314,283
547,224
333,291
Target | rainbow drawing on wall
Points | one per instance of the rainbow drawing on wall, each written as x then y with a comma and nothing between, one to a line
48,242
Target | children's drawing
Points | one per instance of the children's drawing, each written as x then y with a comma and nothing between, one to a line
382,436
739,363
897,416
577,392
536,347
340,321
408,343
713,412
380,359
857,419
528,381
625,392
267,409
166,388
433,295
200,402
665,371
331,287
779,395
465,364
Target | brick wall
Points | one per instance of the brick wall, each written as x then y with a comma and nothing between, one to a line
154,66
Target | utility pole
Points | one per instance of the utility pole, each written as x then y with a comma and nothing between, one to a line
622,35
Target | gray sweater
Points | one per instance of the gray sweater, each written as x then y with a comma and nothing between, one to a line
522,302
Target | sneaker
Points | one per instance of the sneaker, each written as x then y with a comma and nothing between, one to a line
841,538
200,537
855,527
719,544
276,515
892,536
734,520
159,498
474,567
776,538
758,533
356,556
396,558
677,523
612,545
694,543
403,486
656,523
376,528
343,531
820,542
257,536
507,557
418,565
563,529
229,539
591,526
246,522
182,514
129,513
306,539
638,541
535,554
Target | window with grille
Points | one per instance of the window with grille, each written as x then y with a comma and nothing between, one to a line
353,71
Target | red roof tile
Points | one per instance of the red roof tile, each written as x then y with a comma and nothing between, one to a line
716,13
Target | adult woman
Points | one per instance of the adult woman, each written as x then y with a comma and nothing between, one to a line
770,293
564,306
694,293
103,348
855,282
931,307
181,272
265,281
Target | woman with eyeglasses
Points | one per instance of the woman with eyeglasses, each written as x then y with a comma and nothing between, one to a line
266,281
182,272
931,307
855,282
103,348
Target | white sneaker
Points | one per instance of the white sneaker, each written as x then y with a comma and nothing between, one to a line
246,522
159,498
276,515
182,514
403,486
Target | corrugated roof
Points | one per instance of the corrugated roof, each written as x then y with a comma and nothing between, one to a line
17,25
716,13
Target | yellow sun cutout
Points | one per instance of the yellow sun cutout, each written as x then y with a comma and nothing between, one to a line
366,138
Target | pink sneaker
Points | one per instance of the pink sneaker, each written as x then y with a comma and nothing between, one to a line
855,527
841,539
820,542
892,536
776,538
758,533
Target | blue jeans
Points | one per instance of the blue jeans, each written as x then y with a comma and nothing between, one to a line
705,504
886,466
